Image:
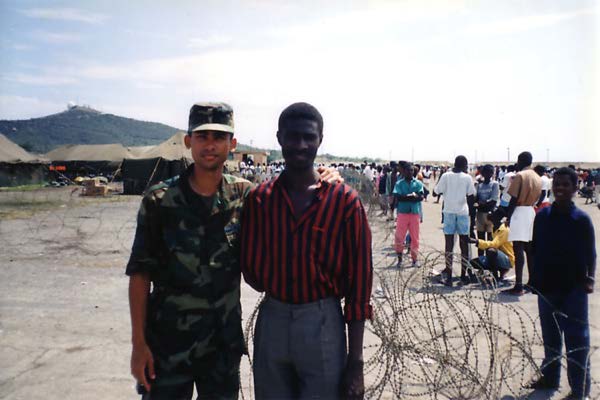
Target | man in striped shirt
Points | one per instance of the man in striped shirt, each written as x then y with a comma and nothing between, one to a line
307,244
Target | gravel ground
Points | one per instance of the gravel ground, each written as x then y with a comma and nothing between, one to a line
64,319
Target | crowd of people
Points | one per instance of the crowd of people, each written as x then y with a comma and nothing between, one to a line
259,172
303,239
512,214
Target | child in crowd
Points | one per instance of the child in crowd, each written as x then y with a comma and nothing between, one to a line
408,194
500,256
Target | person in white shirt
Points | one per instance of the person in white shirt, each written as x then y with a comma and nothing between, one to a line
501,173
504,184
459,196
544,200
368,172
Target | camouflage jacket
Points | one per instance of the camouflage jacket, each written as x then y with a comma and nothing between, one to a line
191,254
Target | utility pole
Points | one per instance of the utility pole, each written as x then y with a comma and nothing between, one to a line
547,155
508,154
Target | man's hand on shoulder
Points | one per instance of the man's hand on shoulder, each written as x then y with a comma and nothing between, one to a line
330,175
353,381
142,361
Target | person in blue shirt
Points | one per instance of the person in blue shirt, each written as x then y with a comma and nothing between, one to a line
408,195
486,198
563,276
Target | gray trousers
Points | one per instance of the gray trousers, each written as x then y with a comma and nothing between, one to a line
299,350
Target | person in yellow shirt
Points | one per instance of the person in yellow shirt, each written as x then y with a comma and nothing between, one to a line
499,257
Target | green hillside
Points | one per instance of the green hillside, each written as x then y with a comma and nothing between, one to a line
83,125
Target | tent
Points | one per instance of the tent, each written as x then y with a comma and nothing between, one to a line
18,167
88,159
149,165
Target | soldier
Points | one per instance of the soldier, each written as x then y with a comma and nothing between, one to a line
188,329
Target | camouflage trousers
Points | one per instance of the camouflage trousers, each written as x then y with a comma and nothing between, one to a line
216,376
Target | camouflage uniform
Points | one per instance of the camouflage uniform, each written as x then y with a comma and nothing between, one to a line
191,254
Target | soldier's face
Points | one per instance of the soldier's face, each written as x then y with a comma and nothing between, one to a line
210,148
299,139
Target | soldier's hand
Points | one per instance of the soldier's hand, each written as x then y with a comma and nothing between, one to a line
142,361
330,175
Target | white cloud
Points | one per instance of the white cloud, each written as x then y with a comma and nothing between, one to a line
44,79
20,107
384,90
57,37
521,24
208,41
65,14
380,84
22,47
375,19
149,85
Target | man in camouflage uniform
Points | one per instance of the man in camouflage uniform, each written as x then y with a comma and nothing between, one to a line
188,329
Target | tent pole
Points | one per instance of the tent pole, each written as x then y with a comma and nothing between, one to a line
116,171
152,176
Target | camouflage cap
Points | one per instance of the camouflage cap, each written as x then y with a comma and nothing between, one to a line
210,117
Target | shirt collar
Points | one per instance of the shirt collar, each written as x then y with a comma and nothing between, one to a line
320,185
221,193
554,209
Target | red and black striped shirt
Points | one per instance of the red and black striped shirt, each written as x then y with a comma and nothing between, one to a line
326,252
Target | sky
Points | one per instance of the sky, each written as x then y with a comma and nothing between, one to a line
405,79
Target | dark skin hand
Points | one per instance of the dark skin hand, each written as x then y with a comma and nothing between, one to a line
511,208
472,214
413,197
353,384
588,285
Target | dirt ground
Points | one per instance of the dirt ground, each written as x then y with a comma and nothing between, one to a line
64,319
